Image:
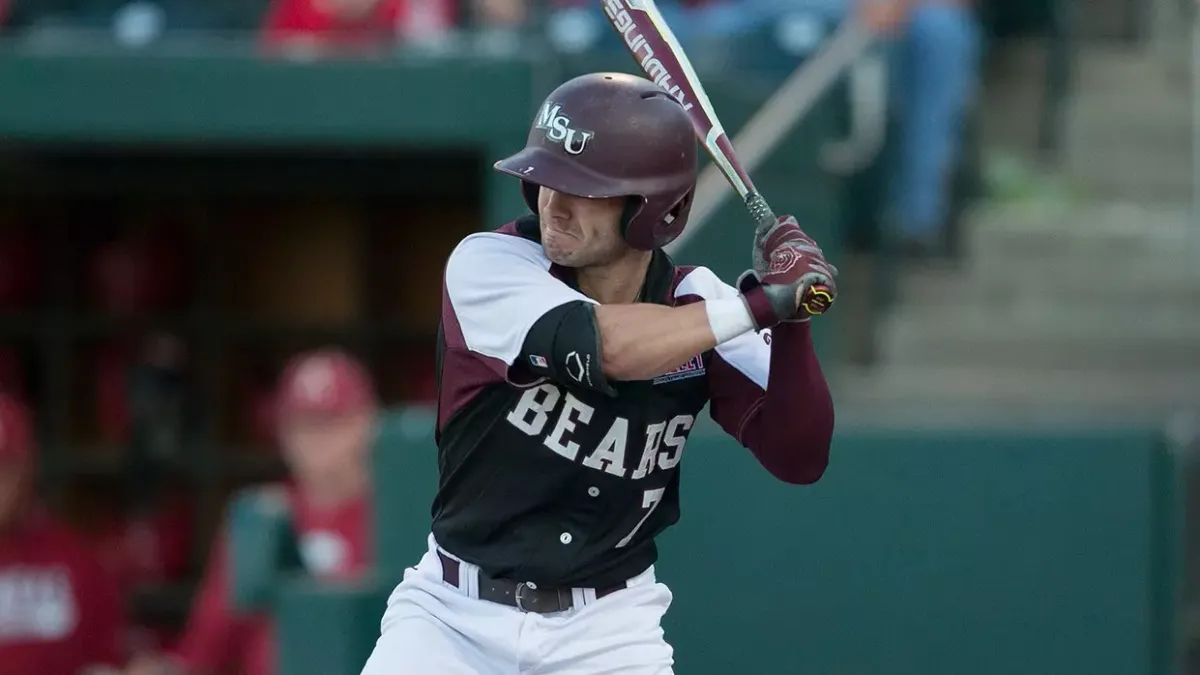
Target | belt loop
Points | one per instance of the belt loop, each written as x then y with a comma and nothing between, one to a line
583,597
462,576
470,581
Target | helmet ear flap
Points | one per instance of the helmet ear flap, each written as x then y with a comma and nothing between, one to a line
633,205
530,192
680,210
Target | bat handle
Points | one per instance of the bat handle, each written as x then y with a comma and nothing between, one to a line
817,298
760,211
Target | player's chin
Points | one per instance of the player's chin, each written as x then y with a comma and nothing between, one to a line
561,253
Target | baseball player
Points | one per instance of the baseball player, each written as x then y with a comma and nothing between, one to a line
574,358
60,611
326,408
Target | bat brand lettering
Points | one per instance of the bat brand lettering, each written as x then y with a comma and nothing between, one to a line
641,49
559,130
564,415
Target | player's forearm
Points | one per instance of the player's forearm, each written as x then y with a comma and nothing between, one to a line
643,341
792,431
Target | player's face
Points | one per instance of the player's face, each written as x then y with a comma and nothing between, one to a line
580,232
326,447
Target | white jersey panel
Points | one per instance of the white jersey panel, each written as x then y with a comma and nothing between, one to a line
499,285
749,353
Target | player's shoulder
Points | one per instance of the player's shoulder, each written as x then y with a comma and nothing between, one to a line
695,283
516,240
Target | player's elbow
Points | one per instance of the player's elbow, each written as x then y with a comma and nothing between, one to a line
804,474
801,460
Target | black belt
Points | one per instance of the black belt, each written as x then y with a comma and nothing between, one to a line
524,596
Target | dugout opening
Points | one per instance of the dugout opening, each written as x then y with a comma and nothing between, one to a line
243,255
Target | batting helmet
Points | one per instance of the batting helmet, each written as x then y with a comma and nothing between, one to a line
324,382
614,135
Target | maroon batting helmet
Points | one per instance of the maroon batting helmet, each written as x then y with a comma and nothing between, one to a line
614,135
326,381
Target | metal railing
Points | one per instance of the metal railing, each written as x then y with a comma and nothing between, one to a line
803,89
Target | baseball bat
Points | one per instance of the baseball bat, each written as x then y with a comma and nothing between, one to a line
653,45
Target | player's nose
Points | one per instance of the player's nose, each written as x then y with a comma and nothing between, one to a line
556,203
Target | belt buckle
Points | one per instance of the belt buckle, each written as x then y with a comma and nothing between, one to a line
519,596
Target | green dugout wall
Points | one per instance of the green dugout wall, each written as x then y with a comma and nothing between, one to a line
461,104
931,553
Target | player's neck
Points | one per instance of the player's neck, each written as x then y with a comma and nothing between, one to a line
618,282
334,490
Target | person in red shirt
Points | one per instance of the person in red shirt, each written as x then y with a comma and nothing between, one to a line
321,27
60,612
326,412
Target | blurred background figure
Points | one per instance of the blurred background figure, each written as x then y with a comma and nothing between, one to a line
326,410
60,611
935,57
331,27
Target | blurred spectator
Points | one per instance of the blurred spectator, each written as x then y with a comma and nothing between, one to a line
60,612
935,53
19,262
500,14
317,27
12,372
326,415
137,274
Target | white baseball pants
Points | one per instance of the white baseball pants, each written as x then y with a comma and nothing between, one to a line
433,628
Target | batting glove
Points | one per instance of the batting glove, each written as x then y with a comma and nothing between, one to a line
787,263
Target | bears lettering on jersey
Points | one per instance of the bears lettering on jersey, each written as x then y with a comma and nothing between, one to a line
662,446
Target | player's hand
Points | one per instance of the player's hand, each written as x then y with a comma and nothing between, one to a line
786,264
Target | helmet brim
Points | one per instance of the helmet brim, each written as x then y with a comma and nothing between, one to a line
541,166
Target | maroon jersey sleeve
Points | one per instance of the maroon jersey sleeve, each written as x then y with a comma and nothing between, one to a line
767,390
210,640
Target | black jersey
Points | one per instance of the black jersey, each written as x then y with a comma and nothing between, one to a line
549,473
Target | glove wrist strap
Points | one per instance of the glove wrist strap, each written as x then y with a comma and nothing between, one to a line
761,310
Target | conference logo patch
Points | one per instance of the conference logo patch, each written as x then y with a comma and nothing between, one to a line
693,368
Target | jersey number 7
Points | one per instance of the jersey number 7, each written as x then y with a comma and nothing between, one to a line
650,501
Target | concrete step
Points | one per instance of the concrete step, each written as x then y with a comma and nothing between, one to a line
1140,273
1155,226
1041,318
1105,19
1130,170
1129,125
963,392
1107,67
1154,243
1043,337
1004,287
